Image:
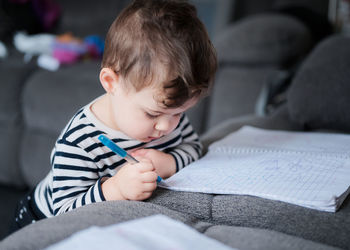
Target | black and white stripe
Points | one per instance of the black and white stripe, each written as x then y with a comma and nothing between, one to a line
79,161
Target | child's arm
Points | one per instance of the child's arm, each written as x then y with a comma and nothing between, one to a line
76,181
75,178
175,158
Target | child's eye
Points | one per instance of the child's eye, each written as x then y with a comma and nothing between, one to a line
151,116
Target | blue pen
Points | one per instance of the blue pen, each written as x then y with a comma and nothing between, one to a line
119,151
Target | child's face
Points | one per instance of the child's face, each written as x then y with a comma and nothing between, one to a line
140,116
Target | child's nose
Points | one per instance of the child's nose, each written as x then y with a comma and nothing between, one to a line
164,124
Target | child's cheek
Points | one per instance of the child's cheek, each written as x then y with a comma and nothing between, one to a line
143,128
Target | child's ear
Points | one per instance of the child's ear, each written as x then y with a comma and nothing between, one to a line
109,79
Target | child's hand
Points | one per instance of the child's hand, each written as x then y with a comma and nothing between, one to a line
132,182
164,163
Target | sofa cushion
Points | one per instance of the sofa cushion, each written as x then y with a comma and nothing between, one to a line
278,120
76,17
263,39
249,211
194,204
66,91
319,94
235,92
198,115
35,151
10,135
14,72
60,227
254,238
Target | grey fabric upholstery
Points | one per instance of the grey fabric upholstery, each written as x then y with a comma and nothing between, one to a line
89,18
99,214
324,79
45,122
247,211
73,87
253,212
199,115
251,52
252,238
273,39
198,205
278,120
11,117
11,89
244,85
9,153
35,160
102,214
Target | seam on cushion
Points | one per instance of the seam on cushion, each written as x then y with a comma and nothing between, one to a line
211,208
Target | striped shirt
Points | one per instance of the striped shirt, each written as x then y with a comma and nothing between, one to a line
79,160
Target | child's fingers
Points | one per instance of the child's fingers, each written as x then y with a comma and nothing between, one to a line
145,166
150,176
145,195
149,186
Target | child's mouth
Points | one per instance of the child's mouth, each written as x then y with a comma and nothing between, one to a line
152,138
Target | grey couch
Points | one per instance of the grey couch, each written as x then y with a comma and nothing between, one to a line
36,104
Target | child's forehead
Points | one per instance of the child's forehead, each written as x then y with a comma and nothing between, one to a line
151,98
149,88
156,76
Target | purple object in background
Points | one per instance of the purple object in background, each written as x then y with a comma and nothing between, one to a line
47,11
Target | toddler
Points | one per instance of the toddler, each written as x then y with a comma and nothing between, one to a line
158,62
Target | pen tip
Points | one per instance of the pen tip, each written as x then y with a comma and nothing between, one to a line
159,179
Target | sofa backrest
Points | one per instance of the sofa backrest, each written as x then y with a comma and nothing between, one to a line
250,53
319,96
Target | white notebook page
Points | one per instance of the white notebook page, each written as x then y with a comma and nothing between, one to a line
157,232
306,169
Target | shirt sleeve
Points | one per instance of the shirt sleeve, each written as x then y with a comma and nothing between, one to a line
190,149
75,178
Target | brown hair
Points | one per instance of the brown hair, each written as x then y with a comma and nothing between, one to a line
162,41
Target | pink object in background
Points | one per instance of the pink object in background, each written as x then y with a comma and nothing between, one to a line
68,52
68,49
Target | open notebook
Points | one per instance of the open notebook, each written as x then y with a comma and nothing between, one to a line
307,169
